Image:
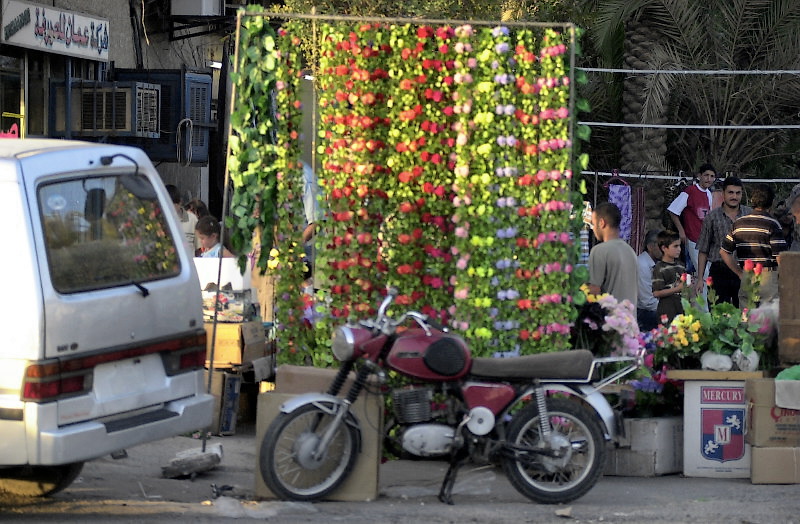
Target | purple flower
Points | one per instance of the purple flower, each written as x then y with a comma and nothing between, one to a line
500,30
501,48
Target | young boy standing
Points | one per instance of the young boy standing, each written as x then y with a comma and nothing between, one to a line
667,276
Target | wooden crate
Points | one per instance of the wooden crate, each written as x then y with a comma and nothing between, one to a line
787,287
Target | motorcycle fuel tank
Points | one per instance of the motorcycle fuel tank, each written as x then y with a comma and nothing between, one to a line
434,356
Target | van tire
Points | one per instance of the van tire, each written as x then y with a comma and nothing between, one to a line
38,481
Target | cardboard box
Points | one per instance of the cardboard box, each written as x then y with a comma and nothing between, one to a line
767,424
787,394
787,286
776,466
225,387
650,447
235,343
715,424
362,483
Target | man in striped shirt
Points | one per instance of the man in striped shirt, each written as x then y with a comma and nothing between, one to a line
757,237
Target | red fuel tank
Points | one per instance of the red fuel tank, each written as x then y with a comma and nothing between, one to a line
438,356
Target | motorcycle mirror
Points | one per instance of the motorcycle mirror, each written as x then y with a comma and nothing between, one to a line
390,294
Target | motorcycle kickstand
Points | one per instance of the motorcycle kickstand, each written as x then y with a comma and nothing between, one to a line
446,492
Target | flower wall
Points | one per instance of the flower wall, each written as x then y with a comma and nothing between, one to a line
446,172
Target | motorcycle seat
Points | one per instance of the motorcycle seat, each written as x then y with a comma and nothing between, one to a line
575,364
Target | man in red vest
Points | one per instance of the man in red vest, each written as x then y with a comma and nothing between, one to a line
689,209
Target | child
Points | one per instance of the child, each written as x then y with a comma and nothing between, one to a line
667,277
208,232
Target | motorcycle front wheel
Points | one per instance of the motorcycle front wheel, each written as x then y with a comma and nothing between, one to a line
575,433
290,464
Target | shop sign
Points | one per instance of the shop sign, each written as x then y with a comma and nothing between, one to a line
47,29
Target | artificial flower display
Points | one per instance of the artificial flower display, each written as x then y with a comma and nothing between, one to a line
445,159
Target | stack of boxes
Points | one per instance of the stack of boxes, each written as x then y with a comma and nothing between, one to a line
774,434
237,345
774,405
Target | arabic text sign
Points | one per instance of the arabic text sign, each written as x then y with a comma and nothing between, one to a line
46,29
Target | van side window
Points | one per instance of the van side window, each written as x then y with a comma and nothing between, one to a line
103,232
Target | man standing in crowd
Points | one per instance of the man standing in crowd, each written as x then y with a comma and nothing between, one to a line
689,209
717,224
647,304
757,237
612,262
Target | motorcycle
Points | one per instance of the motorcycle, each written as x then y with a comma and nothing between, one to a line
542,417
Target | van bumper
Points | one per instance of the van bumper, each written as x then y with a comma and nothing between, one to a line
89,440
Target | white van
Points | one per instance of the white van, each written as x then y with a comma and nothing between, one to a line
103,344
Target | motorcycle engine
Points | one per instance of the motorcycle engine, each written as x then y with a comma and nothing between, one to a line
428,440
412,404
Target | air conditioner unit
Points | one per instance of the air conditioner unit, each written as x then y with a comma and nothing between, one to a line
186,121
197,7
103,108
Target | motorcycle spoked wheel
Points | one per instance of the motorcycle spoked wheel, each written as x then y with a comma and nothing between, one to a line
287,464
550,480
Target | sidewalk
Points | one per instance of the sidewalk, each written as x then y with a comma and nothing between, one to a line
133,490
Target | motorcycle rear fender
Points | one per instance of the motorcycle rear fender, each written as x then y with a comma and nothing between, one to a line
326,403
596,400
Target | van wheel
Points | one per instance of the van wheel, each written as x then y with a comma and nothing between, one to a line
38,481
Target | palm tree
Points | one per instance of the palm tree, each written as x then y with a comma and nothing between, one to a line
716,35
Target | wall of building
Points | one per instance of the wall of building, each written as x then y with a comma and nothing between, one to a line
158,52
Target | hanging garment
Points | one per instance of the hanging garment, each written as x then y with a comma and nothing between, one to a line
620,195
638,218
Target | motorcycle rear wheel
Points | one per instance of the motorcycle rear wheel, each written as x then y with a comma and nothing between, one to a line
548,480
287,466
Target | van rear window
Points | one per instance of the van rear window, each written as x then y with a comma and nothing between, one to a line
104,232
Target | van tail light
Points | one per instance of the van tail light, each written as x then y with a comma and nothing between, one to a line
49,380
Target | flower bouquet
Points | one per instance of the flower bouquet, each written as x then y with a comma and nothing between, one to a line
713,329
606,326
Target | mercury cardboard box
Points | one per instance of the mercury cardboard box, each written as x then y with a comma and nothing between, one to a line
362,483
715,423
651,447
776,466
235,343
767,424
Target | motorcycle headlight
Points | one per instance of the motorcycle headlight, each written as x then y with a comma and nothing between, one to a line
343,344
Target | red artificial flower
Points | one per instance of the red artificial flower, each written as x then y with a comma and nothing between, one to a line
405,269
749,264
406,207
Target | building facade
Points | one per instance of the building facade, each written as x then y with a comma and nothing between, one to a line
143,73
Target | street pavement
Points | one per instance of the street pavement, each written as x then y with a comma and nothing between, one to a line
132,490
